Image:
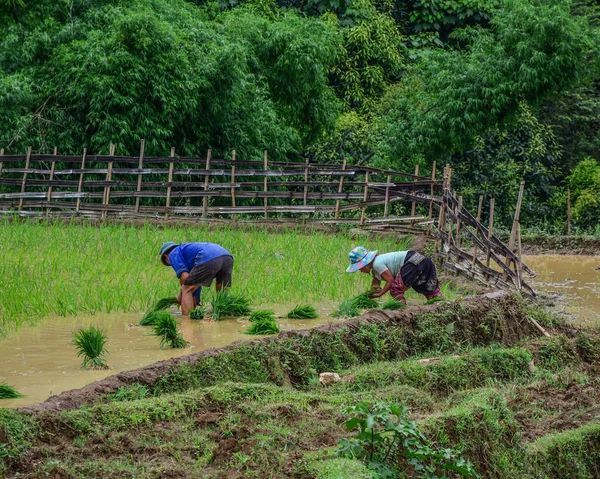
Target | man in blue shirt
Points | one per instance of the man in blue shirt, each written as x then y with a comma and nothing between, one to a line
197,265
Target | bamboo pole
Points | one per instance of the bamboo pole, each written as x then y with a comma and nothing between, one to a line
106,198
413,207
233,178
442,214
490,234
139,183
24,182
432,192
365,196
266,185
569,212
387,197
458,222
513,232
52,167
80,185
340,188
478,219
519,265
170,180
304,202
206,180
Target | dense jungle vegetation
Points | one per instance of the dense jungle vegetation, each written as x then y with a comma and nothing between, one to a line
503,90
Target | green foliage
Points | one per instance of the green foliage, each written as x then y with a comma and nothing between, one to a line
446,15
155,311
588,347
557,352
152,317
584,183
165,327
226,303
8,392
263,326
164,303
90,344
198,313
388,442
18,432
262,315
364,301
130,393
303,312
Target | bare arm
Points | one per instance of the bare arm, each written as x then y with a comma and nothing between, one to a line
388,278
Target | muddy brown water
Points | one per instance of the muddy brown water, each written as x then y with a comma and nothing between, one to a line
574,283
40,361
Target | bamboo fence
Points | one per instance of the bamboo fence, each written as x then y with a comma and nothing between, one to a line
265,191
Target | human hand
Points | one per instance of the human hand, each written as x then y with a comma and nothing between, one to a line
375,293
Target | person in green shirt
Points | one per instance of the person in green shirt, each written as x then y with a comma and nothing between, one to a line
400,270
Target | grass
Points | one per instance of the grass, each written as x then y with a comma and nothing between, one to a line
113,266
165,328
262,315
90,344
227,303
263,326
303,312
8,392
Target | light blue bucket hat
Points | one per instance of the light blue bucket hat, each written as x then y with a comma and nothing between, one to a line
359,258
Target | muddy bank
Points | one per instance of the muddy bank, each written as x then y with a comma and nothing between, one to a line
295,357
561,245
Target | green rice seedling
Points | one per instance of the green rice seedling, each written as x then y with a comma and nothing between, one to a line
164,303
435,300
303,312
393,304
198,313
89,344
262,315
264,326
8,392
364,301
165,328
226,303
149,319
346,309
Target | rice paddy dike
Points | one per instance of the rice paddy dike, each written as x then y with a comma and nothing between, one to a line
477,376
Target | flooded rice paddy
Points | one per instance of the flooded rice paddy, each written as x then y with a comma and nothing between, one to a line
40,361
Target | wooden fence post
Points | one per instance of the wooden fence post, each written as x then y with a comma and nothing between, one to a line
365,196
387,196
340,189
170,180
413,208
431,201
513,232
569,212
265,185
442,214
49,195
305,202
139,183
458,222
106,198
206,180
233,179
490,234
1,155
80,185
478,219
24,182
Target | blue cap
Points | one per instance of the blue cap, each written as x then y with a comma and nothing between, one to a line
165,249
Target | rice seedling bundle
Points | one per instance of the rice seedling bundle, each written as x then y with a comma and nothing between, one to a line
8,392
347,309
364,301
90,344
226,303
261,315
165,328
303,312
198,313
162,304
264,326
435,300
393,304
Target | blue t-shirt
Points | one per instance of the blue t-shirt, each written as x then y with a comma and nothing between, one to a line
184,257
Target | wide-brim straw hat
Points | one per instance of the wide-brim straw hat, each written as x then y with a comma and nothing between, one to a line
359,258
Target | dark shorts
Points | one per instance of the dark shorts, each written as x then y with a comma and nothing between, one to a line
219,268
422,276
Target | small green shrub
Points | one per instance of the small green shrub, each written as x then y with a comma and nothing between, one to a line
165,328
557,352
303,312
197,313
262,315
89,344
8,392
225,303
264,326
588,347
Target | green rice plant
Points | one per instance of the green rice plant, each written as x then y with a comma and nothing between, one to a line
347,309
8,392
303,312
435,300
364,301
198,313
393,304
89,344
262,315
264,326
226,303
149,319
162,304
165,328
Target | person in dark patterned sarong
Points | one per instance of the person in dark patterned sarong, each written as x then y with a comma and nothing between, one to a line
400,270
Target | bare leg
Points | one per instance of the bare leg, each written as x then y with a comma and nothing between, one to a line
187,298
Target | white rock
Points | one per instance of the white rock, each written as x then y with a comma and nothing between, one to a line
327,379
